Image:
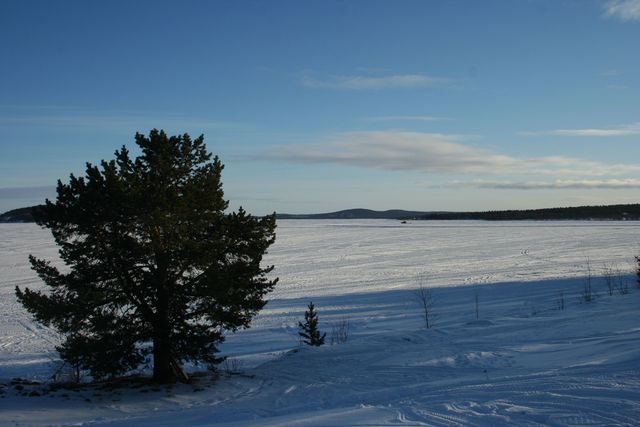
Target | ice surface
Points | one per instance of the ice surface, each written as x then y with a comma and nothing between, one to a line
524,362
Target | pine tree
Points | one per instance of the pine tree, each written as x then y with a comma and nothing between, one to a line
309,330
155,266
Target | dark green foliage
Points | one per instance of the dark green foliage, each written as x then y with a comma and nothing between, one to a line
155,265
309,331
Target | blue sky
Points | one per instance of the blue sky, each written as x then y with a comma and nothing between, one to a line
328,105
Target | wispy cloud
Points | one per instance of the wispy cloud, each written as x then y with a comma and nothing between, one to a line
405,118
585,184
617,87
612,72
373,83
628,130
612,76
625,10
435,153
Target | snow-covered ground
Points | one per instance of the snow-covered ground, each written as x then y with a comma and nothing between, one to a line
523,362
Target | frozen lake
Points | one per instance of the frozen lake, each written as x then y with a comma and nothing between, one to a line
337,257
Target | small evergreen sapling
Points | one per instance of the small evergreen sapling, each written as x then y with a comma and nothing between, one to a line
309,332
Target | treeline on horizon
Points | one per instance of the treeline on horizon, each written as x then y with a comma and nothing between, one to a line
630,212
610,212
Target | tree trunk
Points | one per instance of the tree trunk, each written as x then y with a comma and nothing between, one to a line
162,358
162,369
166,369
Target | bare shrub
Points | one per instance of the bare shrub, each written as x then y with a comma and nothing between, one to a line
233,366
615,280
66,372
423,294
609,275
622,286
560,301
340,331
621,283
587,294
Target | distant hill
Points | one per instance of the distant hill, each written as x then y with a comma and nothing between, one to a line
610,212
358,214
18,215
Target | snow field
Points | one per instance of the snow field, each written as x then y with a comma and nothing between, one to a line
524,362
